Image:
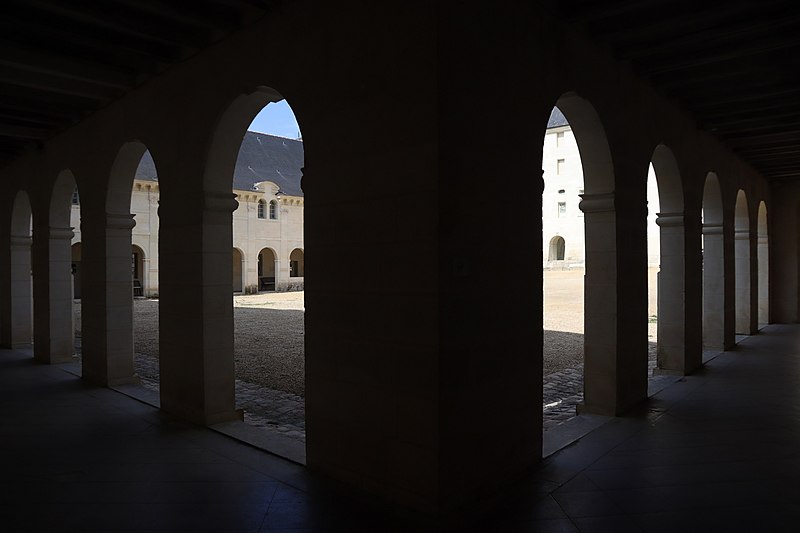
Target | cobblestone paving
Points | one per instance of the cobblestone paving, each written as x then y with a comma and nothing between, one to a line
284,412
279,411
563,391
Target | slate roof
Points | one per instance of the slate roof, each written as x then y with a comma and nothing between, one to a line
557,119
262,157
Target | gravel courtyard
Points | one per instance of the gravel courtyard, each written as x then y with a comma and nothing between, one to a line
270,361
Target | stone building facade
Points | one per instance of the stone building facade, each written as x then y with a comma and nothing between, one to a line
562,218
268,251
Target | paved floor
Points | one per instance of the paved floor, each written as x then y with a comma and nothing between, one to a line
715,451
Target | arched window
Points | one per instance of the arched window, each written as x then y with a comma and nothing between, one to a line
273,210
261,208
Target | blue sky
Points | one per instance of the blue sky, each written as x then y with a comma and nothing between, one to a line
278,119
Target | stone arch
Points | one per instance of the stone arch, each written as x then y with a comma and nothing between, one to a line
227,139
267,268
21,286
713,265
672,352
121,177
590,135
297,263
52,276
237,264
556,249
742,263
61,199
601,312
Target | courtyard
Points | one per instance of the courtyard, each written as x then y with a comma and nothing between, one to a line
270,361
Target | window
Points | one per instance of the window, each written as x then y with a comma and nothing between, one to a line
261,207
562,209
273,210
559,138
76,200
561,191
560,167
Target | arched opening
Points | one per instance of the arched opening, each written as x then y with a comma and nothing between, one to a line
763,266
713,266
556,251
238,270
577,205
666,251
54,312
21,286
297,266
76,271
742,264
266,269
132,225
263,167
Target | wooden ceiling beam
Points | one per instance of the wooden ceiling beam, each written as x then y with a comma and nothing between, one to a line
22,132
61,65
105,20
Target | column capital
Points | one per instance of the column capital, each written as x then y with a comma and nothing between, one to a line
670,220
61,233
598,203
124,222
220,202
712,229
741,234
21,241
763,239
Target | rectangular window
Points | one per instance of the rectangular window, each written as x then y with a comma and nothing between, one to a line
559,138
560,167
562,209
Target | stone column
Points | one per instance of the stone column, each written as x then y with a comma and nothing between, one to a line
20,291
763,280
615,368
52,283
196,308
281,275
674,356
743,285
107,300
713,287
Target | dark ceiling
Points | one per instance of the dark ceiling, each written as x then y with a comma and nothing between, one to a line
735,65
61,60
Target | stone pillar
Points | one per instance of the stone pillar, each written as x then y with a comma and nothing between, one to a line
713,287
281,276
674,356
196,308
20,291
107,300
763,280
743,259
52,285
615,341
